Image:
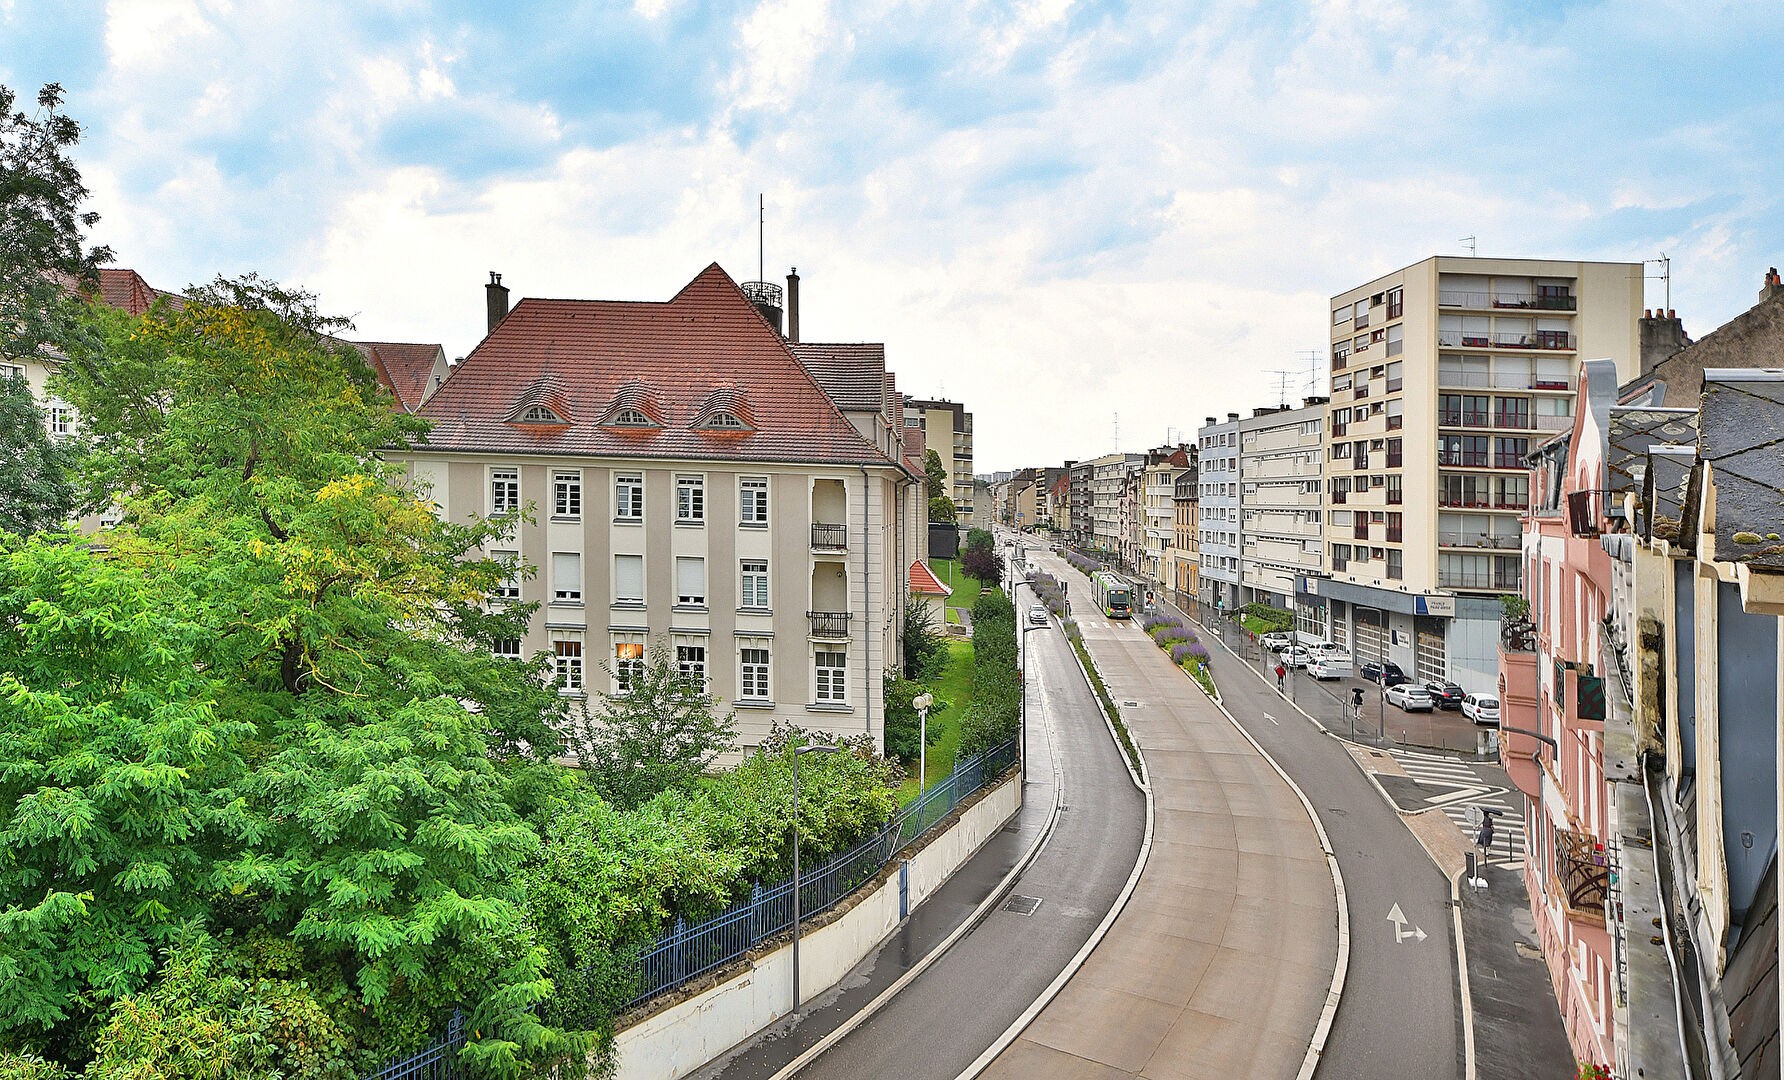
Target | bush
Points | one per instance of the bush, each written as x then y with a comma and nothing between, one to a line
982,563
997,688
925,647
903,725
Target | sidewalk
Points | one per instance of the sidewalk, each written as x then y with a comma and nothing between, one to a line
1517,1023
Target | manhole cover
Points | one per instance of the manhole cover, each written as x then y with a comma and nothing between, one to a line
1023,905
1130,704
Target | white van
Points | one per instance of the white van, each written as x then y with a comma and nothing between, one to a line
1331,665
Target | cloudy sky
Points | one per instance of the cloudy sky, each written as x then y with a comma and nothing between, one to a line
1055,212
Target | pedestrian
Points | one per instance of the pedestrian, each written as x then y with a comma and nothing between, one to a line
1485,839
1281,674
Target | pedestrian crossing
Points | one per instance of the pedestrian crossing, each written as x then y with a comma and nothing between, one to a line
1457,786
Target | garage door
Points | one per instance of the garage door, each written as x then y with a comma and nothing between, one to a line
1371,642
1430,659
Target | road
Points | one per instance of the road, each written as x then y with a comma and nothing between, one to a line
950,1013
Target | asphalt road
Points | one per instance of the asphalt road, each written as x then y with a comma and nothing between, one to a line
949,1014
1400,1013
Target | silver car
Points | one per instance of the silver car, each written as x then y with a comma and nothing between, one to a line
1037,615
1411,697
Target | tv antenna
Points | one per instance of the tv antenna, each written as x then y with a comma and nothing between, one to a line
1118,433
1315,360
1472,243
1282,377
1665,275
761,236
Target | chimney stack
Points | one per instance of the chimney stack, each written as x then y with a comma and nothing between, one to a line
1232,416
793,305
495,297
1773,283
1662,334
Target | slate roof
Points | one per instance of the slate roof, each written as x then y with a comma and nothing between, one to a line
1742,424
591,357
924,581
403,367
1633,431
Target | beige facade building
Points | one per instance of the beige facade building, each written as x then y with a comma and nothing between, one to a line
695,484
1444,376
948,430
1281,482
1108,488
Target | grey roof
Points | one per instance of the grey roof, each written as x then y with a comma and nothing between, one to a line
1742,424
1633,431
854,375
1667,477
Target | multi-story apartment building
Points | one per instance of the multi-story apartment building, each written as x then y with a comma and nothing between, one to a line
948,430
1444,375
1281,494
1218,507
695,485
1158,524
1080,501
1650,664
1108,490
1183,558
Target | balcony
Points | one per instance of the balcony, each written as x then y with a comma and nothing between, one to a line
1359,462
1509,461
1455,418
1339,497
1339,429
1396,534
1553,423
1361,530
1467,459
1516,301
830,537
1496,541
829,624
1584,873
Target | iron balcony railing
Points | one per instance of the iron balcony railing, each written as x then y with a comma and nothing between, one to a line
1469,298
1501,541
762,292
829,624
835,537
1462,418
1584,869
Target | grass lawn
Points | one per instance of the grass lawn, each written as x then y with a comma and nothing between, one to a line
956,688
966,589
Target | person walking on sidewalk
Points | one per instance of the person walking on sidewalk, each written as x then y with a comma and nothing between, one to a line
1485,839
1281,674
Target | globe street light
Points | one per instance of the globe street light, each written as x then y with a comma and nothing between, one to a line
797,751
921,703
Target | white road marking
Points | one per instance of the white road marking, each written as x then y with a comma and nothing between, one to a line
1398,918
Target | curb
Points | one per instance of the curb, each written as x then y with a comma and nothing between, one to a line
884,997
1455,896
1020,1024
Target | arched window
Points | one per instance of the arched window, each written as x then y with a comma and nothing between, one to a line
725,420
631,418
539,414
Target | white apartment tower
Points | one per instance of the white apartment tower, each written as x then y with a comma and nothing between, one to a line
1218,511
1444,375
1281,490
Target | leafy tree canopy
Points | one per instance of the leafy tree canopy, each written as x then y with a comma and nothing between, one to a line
35,491
658,733
941,511
936,474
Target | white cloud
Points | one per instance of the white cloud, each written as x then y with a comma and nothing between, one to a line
780,43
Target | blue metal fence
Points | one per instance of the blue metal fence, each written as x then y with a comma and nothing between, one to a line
689,951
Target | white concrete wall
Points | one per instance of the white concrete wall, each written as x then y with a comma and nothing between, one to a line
682,1038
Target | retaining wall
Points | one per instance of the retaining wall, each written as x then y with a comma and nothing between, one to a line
680,1039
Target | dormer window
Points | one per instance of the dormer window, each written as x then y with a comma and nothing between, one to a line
631,418
539,414
725,420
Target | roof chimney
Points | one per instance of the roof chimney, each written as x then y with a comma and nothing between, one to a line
1209,420
1232,416
495,298
1662,334
793,304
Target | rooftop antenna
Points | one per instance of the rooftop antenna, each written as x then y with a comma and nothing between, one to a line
1472,244
1315,361
1665,275
1118,433
761,236
1282,377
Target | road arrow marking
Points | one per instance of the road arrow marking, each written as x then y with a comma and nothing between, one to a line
1272,719
1457,791
1398,918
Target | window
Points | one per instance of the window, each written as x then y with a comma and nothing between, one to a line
61,419
566,494
690,500
1342,315
507,648
628,497
628,579
690,582
1514,492
752,661
832,677
539,414
509,587
1396,303
1340,556
1510,453
690,661
566,577
631,418
724,420
567,659
752,501
1396,492
504,491
755,584
628,661
11,371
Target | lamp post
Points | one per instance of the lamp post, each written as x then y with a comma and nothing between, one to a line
797,751
1024,627
921,703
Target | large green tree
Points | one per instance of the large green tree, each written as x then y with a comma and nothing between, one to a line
935,474
659,732
35,490
338,722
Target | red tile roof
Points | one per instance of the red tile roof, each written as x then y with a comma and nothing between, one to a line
670,356
126,289
403,367
924,581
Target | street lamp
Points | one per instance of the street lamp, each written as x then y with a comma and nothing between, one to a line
921,703
797,751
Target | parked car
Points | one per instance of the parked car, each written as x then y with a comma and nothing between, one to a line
1275,641
1445,694
1387,674
1481,708
1295,656
1038,615
1332,665
1411,697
